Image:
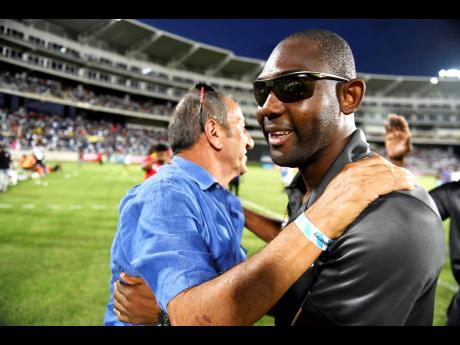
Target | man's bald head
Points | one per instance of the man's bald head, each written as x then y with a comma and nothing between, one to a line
333,50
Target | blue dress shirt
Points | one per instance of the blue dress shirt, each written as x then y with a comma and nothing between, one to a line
178,229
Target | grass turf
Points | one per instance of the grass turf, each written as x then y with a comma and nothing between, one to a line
55,237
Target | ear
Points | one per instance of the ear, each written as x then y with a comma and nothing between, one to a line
214,133
351,95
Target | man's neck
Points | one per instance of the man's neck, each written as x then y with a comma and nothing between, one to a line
206,157
314,170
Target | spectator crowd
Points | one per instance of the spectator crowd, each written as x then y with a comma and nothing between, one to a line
428,160
25,83
25,130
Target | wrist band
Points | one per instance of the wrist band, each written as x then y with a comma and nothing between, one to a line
312,232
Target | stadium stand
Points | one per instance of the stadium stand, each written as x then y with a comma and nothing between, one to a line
428,160
124,71
26,130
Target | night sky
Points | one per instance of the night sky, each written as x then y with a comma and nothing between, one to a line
412,47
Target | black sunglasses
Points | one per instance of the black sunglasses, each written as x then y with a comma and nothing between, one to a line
202,87
290,87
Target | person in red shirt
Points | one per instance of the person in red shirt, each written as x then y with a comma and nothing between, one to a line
158,155
100,158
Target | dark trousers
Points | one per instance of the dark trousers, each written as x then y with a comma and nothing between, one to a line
453,312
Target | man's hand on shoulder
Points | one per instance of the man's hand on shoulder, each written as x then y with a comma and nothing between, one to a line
356,186
134,301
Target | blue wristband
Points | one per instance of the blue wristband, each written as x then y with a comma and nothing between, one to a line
312,232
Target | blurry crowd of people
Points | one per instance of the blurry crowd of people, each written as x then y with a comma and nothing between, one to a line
428,160
25,83
23,129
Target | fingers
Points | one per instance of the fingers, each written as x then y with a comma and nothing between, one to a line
406,175
119,301
388,129
396,123
122,313
405,126
121,289
128,311
388,180
119,296
121,317
379,177
131,279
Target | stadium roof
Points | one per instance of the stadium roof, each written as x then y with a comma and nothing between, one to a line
410,86
133,38
138,40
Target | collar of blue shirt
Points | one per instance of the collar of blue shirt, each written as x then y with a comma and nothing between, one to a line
198,174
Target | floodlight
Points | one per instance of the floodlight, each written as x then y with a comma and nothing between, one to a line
146,70
450,73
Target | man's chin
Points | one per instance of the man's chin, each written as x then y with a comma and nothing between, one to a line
282,159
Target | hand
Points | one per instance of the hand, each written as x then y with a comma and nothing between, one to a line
353,189
134,301
397,138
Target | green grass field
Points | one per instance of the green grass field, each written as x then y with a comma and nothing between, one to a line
55,237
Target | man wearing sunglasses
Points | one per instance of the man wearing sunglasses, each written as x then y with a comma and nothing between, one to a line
384,269
244,293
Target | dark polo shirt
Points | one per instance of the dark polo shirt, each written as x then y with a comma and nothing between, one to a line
382,271
447,199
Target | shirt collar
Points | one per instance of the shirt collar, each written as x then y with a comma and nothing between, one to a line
201,176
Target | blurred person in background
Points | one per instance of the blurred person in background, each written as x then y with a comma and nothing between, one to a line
157,156
148,161
5,162
40,166
446,196
100,157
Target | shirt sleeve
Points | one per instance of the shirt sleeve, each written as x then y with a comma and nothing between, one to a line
378,270
440,196
167,248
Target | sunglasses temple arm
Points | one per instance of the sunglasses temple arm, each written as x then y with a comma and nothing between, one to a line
201,95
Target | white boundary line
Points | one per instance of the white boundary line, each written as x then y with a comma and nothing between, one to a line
262,209
61,207
447,285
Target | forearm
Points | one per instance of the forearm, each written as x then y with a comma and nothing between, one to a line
245,293
263,227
